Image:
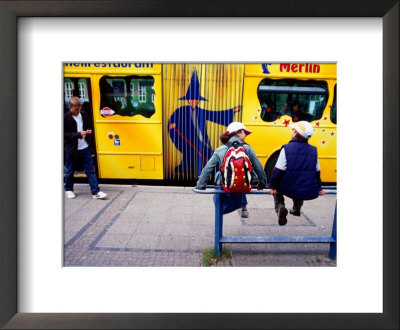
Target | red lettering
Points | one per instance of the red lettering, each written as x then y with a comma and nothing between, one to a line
285,66
308,67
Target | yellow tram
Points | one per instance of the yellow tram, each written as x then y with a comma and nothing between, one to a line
163,121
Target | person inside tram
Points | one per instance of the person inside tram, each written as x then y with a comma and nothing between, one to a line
106,94
268,111
292,109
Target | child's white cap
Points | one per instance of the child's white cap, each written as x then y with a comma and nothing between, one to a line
236,126
304,128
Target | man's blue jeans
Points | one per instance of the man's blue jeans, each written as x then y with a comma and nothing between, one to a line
84,157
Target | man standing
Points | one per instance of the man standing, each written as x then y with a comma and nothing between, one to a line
77,133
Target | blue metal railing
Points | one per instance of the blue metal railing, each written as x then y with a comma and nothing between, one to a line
219,238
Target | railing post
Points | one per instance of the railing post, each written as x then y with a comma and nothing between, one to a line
333,246
218,225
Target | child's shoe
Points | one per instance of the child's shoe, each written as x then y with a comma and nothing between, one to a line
245,213
282,213
295,212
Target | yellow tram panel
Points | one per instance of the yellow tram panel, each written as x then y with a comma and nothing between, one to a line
311,83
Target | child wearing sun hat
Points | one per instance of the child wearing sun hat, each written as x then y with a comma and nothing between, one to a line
297,172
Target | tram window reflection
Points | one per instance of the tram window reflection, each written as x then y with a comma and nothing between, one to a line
333,109
301,100
128,96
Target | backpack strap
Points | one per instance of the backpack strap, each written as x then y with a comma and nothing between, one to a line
230,144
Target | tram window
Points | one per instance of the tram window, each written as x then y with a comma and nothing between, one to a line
76,87
68,89
128,96
333,109
302,100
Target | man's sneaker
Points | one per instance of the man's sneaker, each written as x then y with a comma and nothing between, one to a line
70,194
282,213
100,195
245,213
296,213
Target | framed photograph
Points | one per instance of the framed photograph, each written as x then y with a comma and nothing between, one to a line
386,15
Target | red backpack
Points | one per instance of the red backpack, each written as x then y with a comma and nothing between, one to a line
236,169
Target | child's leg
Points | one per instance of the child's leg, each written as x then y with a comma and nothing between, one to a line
231,202
245,213
280,209
297,204
244,201
279,201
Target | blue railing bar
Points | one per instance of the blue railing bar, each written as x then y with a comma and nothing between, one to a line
253,191
329,187
277,239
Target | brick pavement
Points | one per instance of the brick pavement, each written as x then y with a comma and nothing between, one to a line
171,226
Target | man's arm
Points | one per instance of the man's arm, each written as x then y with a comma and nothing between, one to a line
70,135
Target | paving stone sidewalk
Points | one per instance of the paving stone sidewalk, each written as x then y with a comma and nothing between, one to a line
172,226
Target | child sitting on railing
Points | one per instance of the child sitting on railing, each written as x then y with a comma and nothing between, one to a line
230,202
297,173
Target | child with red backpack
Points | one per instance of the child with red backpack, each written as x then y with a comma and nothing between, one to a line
239,169
296,173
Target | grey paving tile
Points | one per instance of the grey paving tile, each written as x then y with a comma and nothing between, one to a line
173,242
146,228
177,229
114,240
143,242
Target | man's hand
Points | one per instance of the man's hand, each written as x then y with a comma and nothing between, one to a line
84,133
322,192
273,191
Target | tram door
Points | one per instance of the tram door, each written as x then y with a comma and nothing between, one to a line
80,86
127,111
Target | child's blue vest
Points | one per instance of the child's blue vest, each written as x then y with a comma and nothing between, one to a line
300,180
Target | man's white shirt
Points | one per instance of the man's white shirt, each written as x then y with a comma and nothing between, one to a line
82,144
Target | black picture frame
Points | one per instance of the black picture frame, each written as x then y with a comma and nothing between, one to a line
9,13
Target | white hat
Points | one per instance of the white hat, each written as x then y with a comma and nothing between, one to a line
304,128
236,126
